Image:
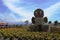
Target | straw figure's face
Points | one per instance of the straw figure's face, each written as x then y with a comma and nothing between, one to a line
38,13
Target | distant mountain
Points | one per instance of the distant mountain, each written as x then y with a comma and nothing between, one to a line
11,23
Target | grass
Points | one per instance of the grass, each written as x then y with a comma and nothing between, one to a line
23,33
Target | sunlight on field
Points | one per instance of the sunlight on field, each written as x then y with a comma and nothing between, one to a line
22,32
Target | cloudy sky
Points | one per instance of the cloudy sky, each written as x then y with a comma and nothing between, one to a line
21,10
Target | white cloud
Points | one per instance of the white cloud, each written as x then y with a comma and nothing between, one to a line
8,17
11,4
50,10
19,10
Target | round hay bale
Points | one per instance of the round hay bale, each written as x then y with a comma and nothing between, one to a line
45,19
33,20
38,13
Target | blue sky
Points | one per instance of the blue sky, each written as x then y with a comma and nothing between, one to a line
21,10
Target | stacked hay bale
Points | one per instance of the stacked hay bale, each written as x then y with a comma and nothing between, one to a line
39,20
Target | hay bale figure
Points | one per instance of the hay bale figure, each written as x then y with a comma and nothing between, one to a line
38,20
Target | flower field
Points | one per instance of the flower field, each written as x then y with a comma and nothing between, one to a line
23,34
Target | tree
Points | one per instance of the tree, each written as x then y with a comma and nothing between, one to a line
55,22
50,22
26,22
